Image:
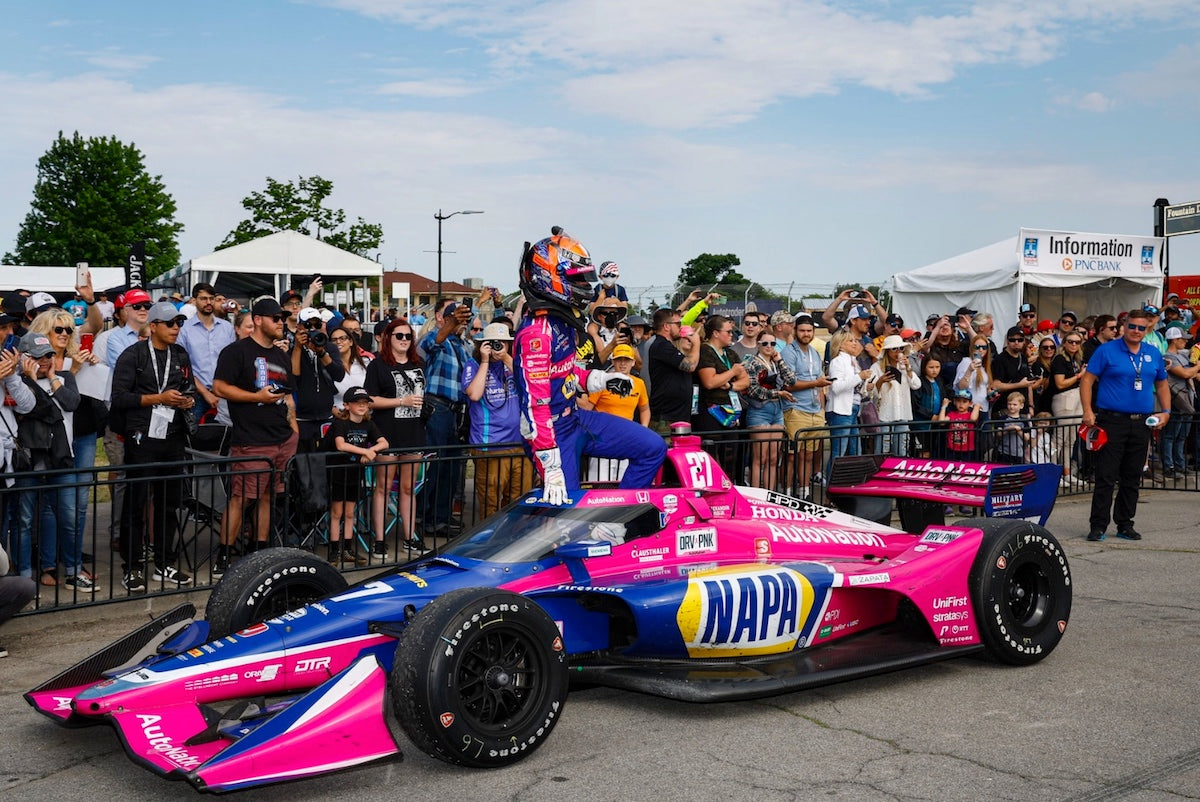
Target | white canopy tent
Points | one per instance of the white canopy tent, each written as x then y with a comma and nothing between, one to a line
275,263
1055,271
57,280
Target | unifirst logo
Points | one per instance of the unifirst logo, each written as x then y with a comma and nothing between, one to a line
738,611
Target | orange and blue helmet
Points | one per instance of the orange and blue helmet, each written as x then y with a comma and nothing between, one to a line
557,272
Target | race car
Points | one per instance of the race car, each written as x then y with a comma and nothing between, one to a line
693,589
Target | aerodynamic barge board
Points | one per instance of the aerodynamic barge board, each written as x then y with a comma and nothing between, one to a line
733,680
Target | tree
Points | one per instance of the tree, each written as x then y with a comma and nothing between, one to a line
299,207
92,199
709,269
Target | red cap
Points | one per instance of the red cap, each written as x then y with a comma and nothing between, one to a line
1093,437
134,296
1046,325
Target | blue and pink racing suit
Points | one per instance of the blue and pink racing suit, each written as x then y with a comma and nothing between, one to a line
548,381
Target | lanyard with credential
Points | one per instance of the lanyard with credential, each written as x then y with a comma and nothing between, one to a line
162,383
1137,370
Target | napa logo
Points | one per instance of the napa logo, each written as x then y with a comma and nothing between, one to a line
729,612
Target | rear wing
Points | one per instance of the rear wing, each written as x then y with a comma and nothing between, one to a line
922,488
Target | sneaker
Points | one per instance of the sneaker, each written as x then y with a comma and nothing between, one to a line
416,544
168,573
134,581
1129,534
3,652
352,557
220,563
81,583
379,549
1168,473
819,479
1095,535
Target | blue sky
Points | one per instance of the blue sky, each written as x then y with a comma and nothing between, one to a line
820,142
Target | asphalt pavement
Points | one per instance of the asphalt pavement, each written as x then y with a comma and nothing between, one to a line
1111,714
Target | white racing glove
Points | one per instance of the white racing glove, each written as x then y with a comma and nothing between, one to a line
617,383
554,483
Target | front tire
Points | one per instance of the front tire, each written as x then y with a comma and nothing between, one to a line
267,584
1020,586
480,678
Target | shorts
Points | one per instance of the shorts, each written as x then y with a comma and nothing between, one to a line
795,420
769,414
251,478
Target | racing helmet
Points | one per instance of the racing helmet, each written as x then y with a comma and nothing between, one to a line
1093,437
557,273
609,273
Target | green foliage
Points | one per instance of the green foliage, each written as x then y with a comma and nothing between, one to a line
92,199
299,206
709,269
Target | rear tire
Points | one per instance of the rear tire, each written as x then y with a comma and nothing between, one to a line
480,678
267,584
1020,587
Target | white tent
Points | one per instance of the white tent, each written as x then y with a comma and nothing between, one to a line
57,280
1056,271
275,263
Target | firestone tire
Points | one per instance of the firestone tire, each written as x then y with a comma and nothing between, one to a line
267,584
480,678
1020,587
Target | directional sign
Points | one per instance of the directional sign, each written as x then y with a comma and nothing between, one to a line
1182,218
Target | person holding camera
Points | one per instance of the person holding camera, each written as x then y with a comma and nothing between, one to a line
855,299
607,330
892,380
770,379
152,394
501,471
255,377
317,366
204,336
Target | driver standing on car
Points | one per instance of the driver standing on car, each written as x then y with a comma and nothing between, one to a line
554,277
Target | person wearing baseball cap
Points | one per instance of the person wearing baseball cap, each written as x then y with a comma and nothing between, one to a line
1180,372
501,474
153,393
358,441
635,406
256,379
1129,380
136,303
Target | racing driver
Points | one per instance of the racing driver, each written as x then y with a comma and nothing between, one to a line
555,277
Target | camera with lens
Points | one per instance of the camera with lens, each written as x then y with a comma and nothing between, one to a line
609,316
319,339
768,381
496,345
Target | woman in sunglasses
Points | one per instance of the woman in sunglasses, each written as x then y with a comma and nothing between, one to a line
354,363
975,373
893,378
1041,358
395,381
770,378
91,415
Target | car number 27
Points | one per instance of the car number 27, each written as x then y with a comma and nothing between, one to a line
701,469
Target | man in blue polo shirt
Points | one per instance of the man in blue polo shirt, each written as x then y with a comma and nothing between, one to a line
1130,375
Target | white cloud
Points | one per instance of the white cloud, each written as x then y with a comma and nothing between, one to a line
1094,101
115,60
438,88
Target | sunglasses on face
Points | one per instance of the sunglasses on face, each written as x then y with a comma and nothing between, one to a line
1048,347
978,348
1073,342
1016,339
64,330
1028,314
766,343
1066,320
750,323
402,335
476,330
1136,327
1111,327
173,323
143,307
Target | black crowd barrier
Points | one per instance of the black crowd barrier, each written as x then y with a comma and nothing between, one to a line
408,500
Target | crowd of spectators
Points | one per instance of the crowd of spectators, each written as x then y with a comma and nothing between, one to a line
289,376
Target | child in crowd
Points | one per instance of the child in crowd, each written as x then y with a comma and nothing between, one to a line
1042,450
358,441
962,419
926,403
1012,432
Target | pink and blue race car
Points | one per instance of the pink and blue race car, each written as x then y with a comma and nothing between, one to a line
693,589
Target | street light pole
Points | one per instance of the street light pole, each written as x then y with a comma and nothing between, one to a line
440,217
